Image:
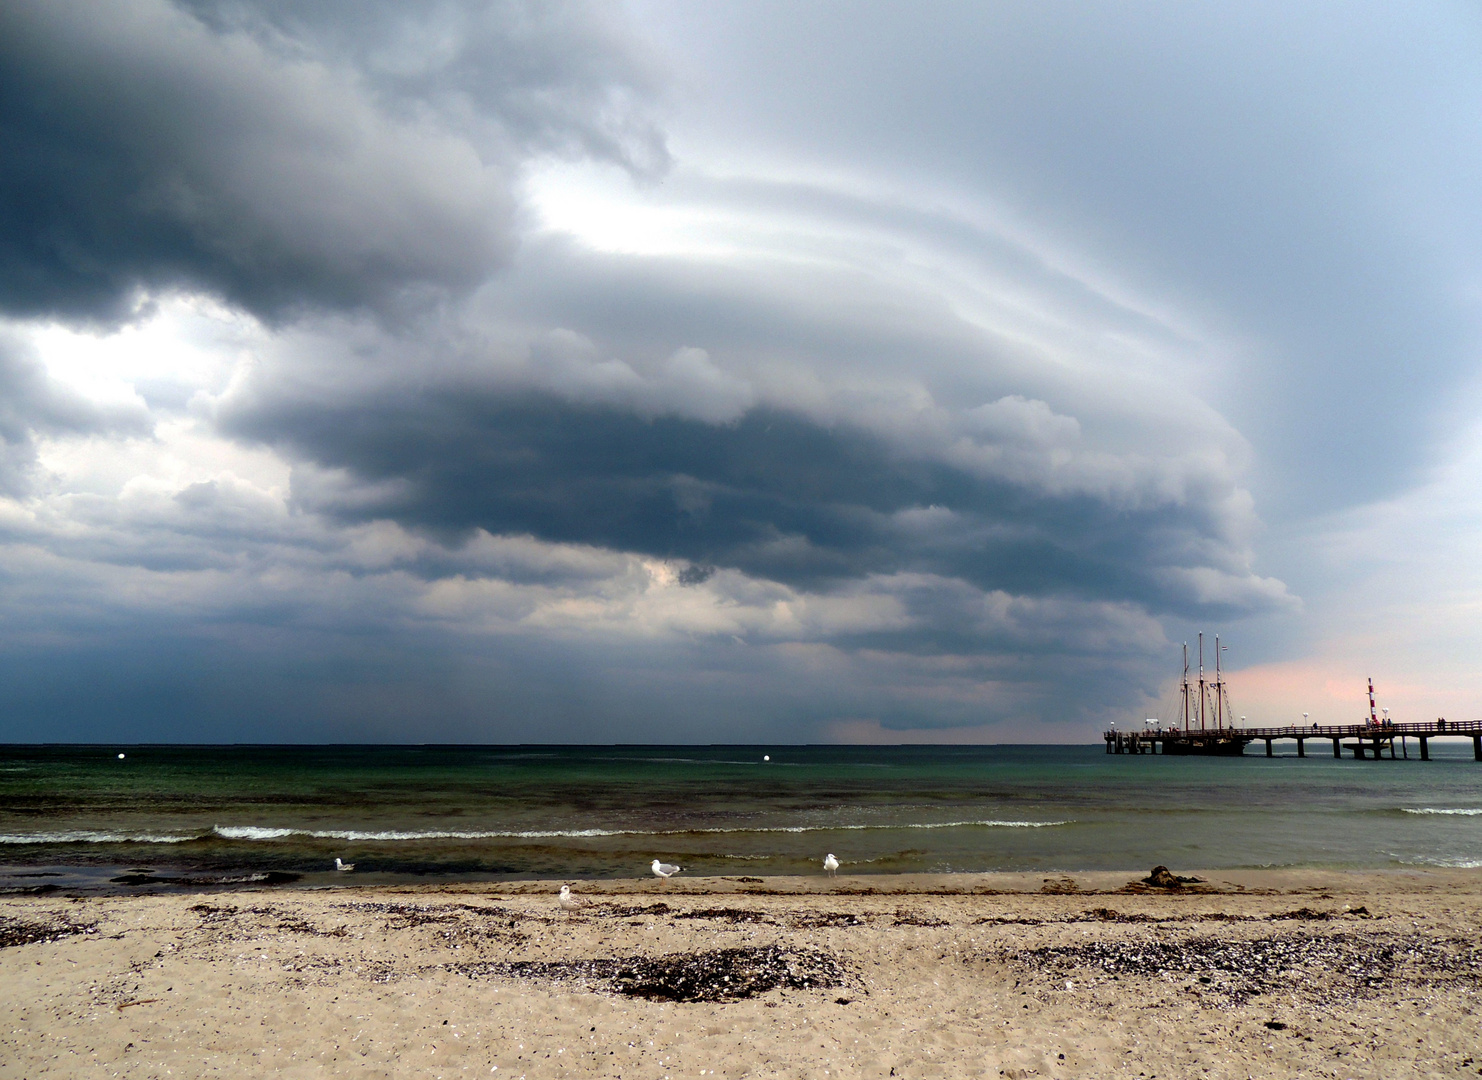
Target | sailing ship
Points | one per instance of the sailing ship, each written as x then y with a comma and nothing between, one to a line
1206,725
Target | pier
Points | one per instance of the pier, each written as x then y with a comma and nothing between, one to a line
1364,741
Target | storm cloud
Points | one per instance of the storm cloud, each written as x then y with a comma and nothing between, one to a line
509,370
283,160
771,494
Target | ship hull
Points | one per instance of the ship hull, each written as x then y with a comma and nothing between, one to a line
1205,747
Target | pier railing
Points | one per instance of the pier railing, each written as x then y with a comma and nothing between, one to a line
1231,741
1431,729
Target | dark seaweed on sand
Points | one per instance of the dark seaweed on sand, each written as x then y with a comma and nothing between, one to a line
286,921
728,915
715,975
406,916
17,932
1352,965
819,920
625,911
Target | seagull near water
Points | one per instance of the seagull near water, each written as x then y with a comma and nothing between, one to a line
567,901
343,867
663,869
831,864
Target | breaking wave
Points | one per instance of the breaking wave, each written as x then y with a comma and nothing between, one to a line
254,832
1462,812
267,833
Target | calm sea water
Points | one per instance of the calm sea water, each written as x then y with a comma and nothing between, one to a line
82,815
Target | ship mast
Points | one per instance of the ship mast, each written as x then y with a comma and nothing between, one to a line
1186,686
1203,692
1219,686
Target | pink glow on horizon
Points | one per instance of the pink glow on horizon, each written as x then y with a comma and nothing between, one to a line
1334,693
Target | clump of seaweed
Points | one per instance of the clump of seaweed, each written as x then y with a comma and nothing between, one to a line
1303,913
627,911
728,915
287,921
821,920
1007,920
19,932
716,975
211,914
406,916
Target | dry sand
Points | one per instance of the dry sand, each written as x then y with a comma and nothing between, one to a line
1310,974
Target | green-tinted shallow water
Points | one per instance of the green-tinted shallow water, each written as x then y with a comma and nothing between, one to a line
502,812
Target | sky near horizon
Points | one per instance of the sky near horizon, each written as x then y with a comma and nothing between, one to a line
733,372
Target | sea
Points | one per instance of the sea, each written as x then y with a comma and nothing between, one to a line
120,818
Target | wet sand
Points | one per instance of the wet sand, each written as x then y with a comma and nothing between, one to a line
1295,973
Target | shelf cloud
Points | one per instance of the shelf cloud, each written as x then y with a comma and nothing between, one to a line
518,371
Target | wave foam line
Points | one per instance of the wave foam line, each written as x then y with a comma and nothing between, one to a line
254,832
87,836
1468,812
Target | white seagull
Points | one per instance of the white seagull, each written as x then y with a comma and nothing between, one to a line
663,869
831,864
343,867
567,901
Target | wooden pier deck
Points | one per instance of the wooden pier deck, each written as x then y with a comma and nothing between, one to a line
1364,740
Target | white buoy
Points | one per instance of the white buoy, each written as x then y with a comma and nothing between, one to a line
765,757
120,757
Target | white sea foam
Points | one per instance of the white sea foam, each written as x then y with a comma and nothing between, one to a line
88,836
267,833
1440,862
254,832
1459,811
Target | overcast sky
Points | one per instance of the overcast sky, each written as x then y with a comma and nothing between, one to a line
733,372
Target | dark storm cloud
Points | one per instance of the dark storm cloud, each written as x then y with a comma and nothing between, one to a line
282,158
960,356
772,494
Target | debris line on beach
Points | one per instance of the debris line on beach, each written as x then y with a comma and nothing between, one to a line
1351,965
715,975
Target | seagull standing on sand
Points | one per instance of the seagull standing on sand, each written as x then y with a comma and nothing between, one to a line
831,864
663,869
343,867
567,901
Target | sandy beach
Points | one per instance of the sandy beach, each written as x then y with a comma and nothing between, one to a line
1294,973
